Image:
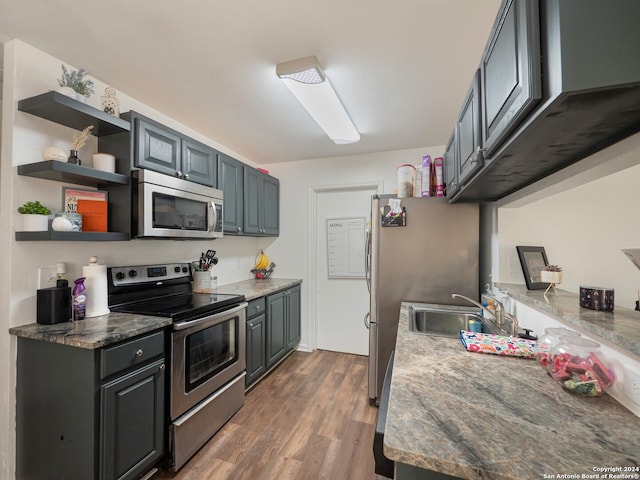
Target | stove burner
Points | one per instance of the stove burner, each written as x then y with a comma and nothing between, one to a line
182,307
163,290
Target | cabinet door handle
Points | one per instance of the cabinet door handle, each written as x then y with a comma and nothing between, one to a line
162,367
139,352
186,176
179,174
239,229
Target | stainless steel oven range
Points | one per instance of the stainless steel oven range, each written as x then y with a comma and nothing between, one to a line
207,348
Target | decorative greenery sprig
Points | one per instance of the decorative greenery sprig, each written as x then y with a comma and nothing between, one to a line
34,208
552,268
80,138
75,79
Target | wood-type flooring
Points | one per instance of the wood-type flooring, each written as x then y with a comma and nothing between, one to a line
309,419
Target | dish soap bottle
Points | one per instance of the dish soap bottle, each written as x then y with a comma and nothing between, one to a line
79,300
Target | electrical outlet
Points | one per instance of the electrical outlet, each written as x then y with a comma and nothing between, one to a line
631,385
46,277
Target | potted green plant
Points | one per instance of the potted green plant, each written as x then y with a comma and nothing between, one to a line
73,83
35,217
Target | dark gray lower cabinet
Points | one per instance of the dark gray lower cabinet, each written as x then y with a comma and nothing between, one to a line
276,327
273,331
293,317
131,425
90,414
256,341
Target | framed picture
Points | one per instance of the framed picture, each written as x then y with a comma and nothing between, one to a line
533,261
70,197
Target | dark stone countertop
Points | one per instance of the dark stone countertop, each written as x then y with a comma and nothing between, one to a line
621,327
482,416
93,332
101,331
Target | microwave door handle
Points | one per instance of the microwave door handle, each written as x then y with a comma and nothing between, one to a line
213,216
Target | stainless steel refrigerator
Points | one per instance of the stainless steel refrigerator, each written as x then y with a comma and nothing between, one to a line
433,256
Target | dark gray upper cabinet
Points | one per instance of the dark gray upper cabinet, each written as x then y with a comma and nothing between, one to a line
231,182
510,71
451,166
271,205
590,86
261,203
468,135
156,147
198,162
160,148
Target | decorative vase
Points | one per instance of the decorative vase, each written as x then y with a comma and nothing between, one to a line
68,91
73,158
552,278
110,104
33,222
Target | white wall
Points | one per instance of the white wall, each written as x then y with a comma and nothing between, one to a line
291,252
582,229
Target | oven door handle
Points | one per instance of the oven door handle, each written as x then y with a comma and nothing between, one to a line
211,319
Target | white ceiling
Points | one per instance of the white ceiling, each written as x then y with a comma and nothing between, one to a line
401,67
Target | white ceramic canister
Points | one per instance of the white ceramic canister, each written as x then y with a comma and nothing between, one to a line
406,175
96,288
105,162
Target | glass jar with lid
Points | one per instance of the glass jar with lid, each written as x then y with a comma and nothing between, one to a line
549,340
576,363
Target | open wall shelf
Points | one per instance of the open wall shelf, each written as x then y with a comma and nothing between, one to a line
72,113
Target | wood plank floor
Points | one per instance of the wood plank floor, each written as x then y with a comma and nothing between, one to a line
309,419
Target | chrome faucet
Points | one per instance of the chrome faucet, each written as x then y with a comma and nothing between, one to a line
498,314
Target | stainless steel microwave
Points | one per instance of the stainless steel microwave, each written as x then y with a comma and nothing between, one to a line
168,207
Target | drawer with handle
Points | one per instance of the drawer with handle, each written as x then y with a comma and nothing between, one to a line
131,353
255,307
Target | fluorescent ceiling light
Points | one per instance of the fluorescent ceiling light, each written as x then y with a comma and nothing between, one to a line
307,81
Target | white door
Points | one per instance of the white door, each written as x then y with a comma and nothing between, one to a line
341,304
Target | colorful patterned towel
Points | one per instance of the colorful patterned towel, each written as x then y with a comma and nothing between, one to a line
497,344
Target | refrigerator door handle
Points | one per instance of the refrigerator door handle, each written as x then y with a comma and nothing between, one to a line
367,323
367,261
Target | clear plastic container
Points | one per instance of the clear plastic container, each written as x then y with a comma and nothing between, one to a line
575,362
406,174
549,340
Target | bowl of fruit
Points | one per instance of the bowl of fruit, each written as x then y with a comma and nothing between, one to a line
263,267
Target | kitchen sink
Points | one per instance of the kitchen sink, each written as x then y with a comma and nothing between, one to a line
442,320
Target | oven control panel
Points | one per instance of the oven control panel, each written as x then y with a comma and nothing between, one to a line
139,274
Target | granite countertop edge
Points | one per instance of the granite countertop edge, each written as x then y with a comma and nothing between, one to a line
619,327
478,416
255,288
98,332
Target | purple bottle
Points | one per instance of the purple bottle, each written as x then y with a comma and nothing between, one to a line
79,299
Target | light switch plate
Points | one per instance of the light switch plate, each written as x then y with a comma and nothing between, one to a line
46,277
